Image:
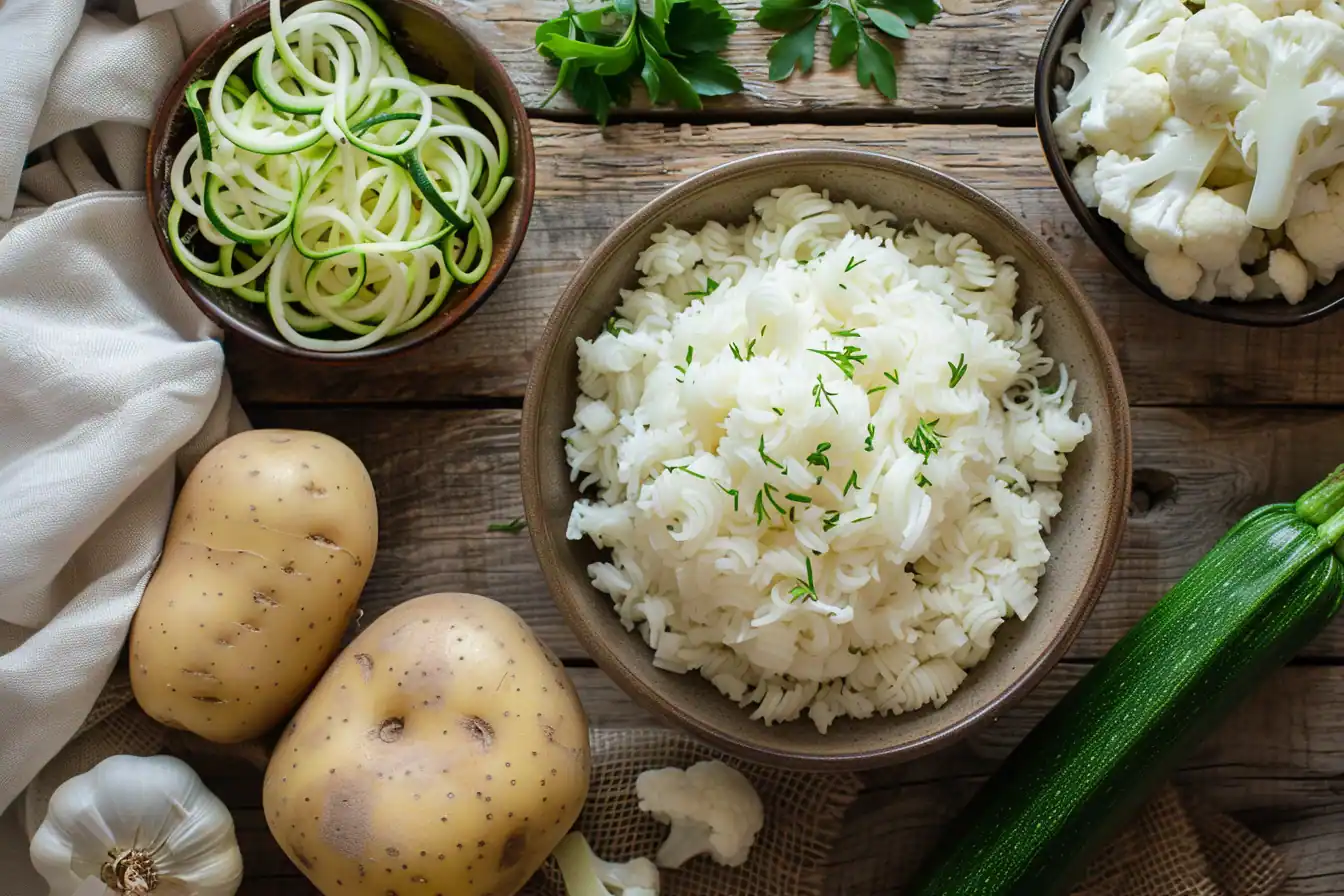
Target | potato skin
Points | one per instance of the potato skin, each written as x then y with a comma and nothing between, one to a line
270,544
444,753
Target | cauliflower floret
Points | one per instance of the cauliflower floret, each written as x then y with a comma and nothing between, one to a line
1083,173
711,807
1147,196
1131,108
1177,275
1318,237
1290,275
587,875
1233,282
1207,84
1117,34
1302,86
1213,230
1255,248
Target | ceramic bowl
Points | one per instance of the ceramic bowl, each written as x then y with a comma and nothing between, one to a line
434,45
1084,537
1110,239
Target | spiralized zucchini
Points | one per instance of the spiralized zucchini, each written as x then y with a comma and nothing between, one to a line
330,184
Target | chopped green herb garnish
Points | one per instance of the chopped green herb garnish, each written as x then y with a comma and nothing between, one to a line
922,481
830,521
862,519
513,526
682,368
792,518
844,287
846,334
894,376
686,468
767,459
779,412
819,392
853,264
798,499
818,458
738,353
805,590
770,496
762,515
958,370
868,442
731,492
925,441
845,360
710,285
852,482
613,325
876,389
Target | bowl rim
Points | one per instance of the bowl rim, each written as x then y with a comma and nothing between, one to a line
1106,236
445,319
634,681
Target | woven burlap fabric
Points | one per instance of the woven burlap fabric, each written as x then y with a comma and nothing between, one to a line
803,816
1178,847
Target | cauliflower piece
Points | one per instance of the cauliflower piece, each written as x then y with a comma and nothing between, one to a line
1312,197
1213,230
711,807
1130,109
1083,173
1207,82
1255,248
1147,196
1117,34
587,875
1289,274
1232,282
1318,237
1301,87
1177,275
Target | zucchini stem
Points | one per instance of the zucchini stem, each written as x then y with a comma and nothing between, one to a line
1332,530
1324,500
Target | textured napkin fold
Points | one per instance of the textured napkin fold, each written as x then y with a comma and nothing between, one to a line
111,376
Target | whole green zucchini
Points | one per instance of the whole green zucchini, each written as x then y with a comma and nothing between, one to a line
1266,588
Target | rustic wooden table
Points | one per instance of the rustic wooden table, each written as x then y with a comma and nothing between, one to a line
1224,418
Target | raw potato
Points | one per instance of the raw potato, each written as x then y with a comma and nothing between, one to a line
270,544
444,753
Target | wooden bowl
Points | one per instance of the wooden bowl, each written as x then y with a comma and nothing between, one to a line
1067,26
434,46
1084,538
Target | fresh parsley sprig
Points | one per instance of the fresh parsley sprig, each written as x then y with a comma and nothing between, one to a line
845,360
849,39
819,392
958,369
673,47
926,440
804,590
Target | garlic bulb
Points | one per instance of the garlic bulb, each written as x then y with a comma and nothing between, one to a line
141,825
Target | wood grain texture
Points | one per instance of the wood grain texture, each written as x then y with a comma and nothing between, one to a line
589,181
1278,765
443,476
978,57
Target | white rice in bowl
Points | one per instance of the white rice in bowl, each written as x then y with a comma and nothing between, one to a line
822,456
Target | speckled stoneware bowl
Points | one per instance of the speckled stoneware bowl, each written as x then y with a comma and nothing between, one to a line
1321,299
1085,536
433,45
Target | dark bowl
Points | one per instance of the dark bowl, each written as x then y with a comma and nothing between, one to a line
1083,539
1321,299
434,46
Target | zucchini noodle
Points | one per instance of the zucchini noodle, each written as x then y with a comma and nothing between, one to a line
332,186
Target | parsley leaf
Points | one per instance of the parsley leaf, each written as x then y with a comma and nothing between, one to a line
670,45
710,285
849,38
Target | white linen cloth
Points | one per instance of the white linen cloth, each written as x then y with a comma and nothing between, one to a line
108,373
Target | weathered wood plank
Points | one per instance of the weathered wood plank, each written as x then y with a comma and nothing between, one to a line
589,181
1277,764
979,56
443,476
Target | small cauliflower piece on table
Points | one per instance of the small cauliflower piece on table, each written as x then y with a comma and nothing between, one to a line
587,875
712,808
